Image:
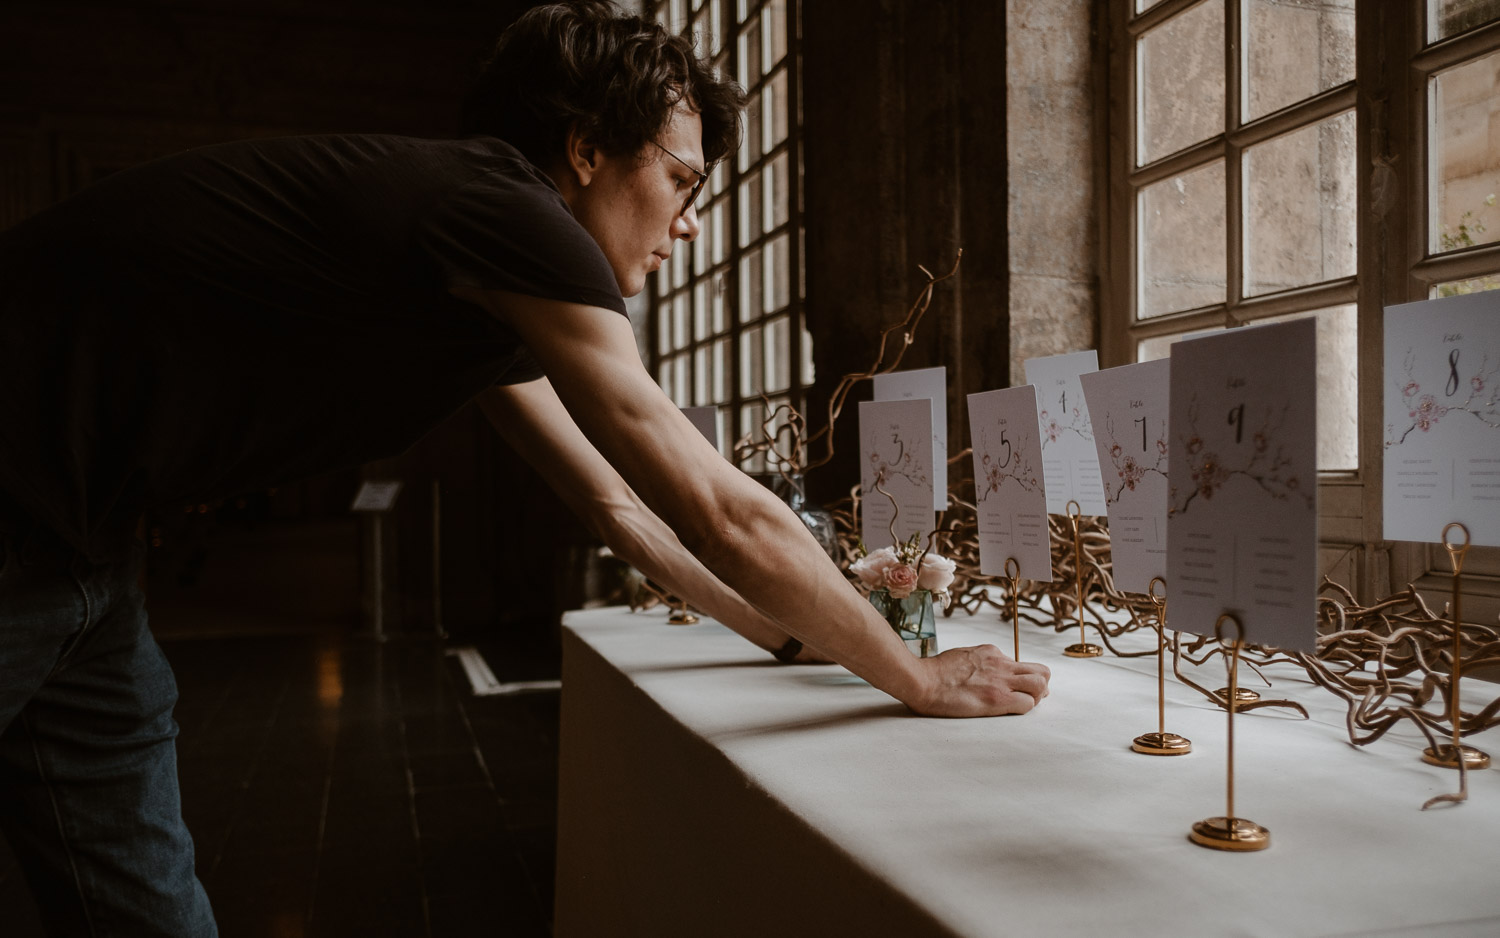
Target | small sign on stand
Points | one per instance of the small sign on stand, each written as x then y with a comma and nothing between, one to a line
375,499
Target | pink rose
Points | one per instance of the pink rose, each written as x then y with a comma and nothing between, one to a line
871,568
936,573
900,580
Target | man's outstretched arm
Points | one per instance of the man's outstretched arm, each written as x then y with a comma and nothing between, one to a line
737,529
537,426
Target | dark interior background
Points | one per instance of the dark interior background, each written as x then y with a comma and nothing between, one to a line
88,88
904,158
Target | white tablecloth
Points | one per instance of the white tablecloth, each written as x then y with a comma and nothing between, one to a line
707,790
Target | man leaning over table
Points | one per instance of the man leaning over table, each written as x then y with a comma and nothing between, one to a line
242,314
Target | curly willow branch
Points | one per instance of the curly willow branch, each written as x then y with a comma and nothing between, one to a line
1388,661
789,443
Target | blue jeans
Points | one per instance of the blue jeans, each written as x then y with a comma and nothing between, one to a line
88,761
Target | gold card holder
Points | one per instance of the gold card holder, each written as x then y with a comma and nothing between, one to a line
1230,832
1013,574
1161,743
1083,649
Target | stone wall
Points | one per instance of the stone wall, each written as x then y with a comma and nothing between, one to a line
1053,213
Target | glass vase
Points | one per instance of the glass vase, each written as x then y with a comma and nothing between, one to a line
790,489
911,617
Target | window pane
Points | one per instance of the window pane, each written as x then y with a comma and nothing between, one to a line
1338,391
750,53
776,111
778,336
778,196
702,377
750,209
721,372
773,28
718,232
700,35
663,329
752,374
1450,17
778,274
679,269
1182,242
808,372
701,243
680,320
726,437
718,319
700,310
680,380
1466,155
1463,287
716,27
1299,207
750,286
750,147
1180,76
664,375
718,177
1295,50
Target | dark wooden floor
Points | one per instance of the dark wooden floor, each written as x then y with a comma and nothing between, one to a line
341,787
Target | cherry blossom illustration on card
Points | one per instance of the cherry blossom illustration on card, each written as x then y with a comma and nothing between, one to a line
1242,483
1442,418
1129,410
895,471
932,384
1069,460
1010,495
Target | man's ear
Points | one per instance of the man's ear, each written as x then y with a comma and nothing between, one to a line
582,157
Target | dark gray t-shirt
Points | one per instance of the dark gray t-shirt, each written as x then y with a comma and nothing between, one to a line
244,314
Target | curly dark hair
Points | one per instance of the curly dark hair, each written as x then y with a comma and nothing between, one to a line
615,78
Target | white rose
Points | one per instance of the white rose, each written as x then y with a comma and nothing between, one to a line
871,568
935,573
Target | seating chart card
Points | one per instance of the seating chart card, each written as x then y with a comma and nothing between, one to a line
1009,491
1069,461
1442,419
1243,529
931,383
1129,410
896,456
706,419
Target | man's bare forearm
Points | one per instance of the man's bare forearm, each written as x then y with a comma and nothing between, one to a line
535,423
644,541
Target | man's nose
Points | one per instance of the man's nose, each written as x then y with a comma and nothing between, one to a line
686,226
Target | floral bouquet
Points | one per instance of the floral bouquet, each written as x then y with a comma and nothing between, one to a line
903,581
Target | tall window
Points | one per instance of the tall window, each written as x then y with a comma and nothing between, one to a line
1275,159
1239,184
727,321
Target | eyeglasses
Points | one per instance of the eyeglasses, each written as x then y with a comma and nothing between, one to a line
692,196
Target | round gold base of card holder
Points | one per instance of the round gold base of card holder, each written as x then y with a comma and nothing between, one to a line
1243,695
1083,650
682,617
1162,744
1230,833
1443,756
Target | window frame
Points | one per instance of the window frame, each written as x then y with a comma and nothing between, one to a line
692,18
1389,97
